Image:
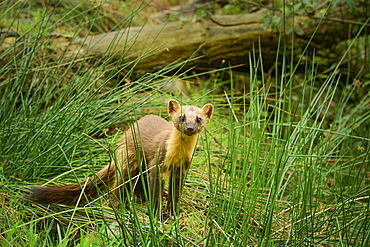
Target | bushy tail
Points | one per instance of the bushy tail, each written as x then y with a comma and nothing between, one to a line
70,194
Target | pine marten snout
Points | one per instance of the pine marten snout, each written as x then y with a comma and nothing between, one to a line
153,148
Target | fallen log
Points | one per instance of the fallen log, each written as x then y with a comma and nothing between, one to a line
219,40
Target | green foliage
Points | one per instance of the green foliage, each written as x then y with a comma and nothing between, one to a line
352,5
284,160
68,17
281,11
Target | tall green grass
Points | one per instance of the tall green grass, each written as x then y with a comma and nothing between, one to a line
295,182
270,170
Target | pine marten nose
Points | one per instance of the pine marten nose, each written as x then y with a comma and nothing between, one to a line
189,130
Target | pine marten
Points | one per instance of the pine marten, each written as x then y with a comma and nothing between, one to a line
149,153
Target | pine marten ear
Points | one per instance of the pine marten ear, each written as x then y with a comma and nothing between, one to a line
173,107
208,110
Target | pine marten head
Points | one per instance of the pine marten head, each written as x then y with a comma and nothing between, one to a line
189,120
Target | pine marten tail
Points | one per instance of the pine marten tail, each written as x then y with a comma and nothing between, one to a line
70,194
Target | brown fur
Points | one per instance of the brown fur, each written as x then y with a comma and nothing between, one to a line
152,151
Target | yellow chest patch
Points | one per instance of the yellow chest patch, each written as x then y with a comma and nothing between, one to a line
180,149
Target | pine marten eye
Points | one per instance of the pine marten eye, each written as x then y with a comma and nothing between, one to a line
199,120
182,119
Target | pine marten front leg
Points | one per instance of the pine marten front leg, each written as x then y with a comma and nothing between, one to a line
176,183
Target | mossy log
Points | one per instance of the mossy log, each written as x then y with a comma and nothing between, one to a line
215,42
